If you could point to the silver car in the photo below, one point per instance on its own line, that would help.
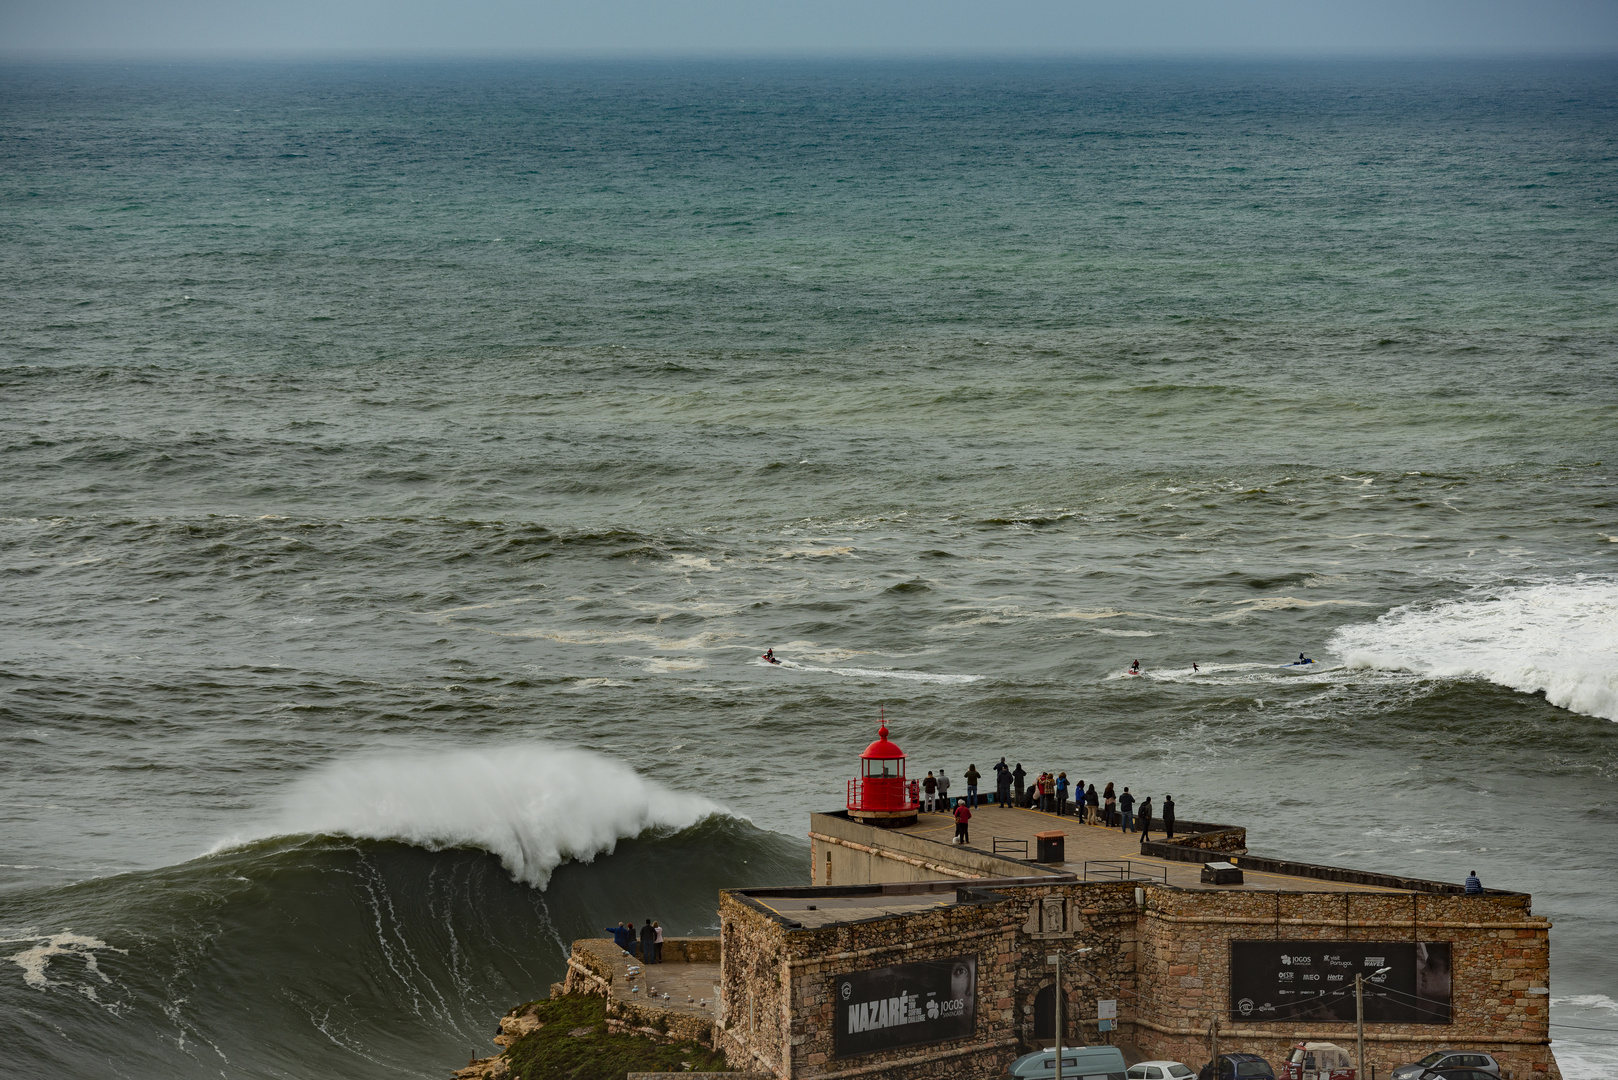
(1448, 1059)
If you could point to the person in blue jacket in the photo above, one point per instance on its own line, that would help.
(623, 937)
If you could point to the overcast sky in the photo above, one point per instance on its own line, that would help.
(1175, 27)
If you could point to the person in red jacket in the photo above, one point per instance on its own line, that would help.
(963, 814)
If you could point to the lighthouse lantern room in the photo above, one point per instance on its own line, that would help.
(881, 796)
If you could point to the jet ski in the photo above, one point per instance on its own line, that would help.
(770, 658)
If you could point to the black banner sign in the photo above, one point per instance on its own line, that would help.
(905, 1005)
(1314, 980)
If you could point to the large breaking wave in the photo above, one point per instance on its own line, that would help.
(533, 806)
(1558, 639)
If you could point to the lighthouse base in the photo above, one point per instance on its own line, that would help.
(884, 819)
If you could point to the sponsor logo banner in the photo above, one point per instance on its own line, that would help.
(905, 1005)
(1314, 980)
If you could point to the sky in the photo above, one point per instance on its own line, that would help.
(809, 27)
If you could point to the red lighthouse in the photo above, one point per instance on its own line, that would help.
(881, 796)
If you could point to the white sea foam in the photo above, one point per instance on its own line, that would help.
(36, 959)
(534, 806)
(1585, 1055)
(875, 673)
(1557, 639)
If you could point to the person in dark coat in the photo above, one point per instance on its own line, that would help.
(1017, 778)
(648, 943)
(1126, 806)
(1168, 817)
(1144, 819)
(1002, 783)
(1109, 807)
(1092, 799)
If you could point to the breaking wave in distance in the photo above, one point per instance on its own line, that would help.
(532, 806)
(1557, 639)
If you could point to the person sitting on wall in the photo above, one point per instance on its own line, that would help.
(963, 814)
(1473, 884)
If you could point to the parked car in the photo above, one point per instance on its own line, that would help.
(1318, 1061)
(1237, 1067)
(1078, 1063)
(1160, 1070)
(1448, 1059)
(1458, 1074)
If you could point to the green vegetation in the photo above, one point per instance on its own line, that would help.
(555, 1052)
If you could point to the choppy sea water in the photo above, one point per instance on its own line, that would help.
(404, 466)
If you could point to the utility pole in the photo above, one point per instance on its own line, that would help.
(1359, 1019)
(1056, 958)
(1213, 1038)
(1359, 1014)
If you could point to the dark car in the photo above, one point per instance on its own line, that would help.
(1458, 1074)
(1441, 1060)
(1238, 1067)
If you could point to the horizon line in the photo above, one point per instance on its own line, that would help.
(8, 55)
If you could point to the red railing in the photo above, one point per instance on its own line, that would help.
(887, 794)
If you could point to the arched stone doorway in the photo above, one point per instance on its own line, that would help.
(1045, 1013)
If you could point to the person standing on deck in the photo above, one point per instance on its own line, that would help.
(1144, 819)
(1078, 801)
(1168, 817)
(963, 814)
(1061, 795)
(657, 941)
(1002, 783)
(648, 944)
(1110, 799)
(972, 778)
(930, 786)
(1017, 778)
(943, 792)
(1126, 803)
(1091, 802)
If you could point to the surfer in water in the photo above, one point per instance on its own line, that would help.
(1194, 668)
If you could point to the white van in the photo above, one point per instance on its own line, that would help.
(1078, 1063)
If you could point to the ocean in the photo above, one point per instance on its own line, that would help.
(405, 464)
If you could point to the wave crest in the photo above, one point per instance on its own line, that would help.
(1556, 639)
(532, 806)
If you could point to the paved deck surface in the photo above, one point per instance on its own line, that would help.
(1095, 844)
(687, 985)
(826, 910)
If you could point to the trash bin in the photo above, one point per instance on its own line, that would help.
(1050, 846)
(1221, 873)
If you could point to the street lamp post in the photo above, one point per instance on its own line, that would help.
(1359, 1013)
(1056, 959)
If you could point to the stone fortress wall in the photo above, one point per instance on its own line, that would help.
(1162, 952)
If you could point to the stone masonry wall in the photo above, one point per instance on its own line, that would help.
(773, 973)
(1498, 952)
